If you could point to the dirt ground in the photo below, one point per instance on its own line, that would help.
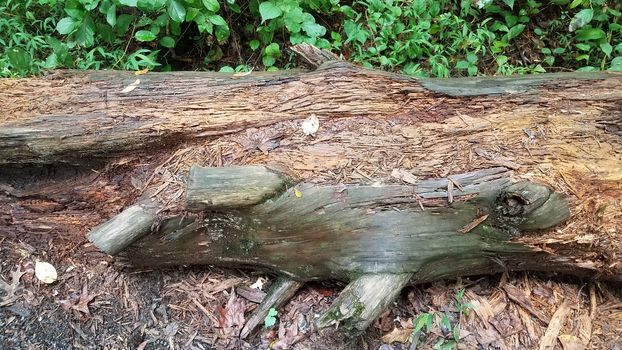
(98, 303)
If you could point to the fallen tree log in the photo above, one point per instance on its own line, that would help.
(406, 180)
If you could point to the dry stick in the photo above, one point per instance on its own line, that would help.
(557, 321)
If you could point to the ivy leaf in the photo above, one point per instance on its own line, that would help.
(211, 5)
(177, 11)
(167, 41)
(217, 20)
(268, 11)
(66, 25)
(144, 35)
(579, 20)
(131, 3)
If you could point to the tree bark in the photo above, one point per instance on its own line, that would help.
(424, 178)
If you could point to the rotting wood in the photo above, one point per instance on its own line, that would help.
(560, 130)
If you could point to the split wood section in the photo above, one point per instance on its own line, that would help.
(377, 237)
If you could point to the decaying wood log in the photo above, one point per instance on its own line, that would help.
(406, 180)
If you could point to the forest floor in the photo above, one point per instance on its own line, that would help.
(98, 303)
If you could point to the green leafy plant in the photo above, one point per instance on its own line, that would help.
(419, 37)
(270, 319)
(424, 322)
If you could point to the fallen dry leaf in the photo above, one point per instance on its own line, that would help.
(404, 175)
(131, 87)
(13, 287)
(142, 71)
(258, 284)
(79, 304)
(400, 335)
(45, 272)
(310, 125)
(231, 317)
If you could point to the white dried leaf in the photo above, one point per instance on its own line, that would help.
(131, 87)
(258, 285)
(45, 272)
(310, 125)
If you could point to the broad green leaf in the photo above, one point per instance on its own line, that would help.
(217, 20)
(75, 13)
(293, 20)
(268, 11)
(144, 35)
(471, 57)
(587, 34)
(313, 29)
(222, 33)
(501, 60)
(191, 14)
(167, 41)
(616, 64)
(66, 25)
(176, 10)
(19, 59)
(211, 5)
(151, 5)
(583, 47)
(462, 64)
(51, 62)
(123, 23)
(85, 35)
(111, 15)
(131, 3)
(254, 44)
(472, 70)
(268, 61)
(226, 69)
(510, 3)
(515, 31)
(606, 48)
(575, 3)
(579, 20)
(419, 322)
(272, 50)
(587, 69)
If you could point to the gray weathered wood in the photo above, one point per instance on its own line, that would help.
(231, 187)
(362, 301)
(116, 234)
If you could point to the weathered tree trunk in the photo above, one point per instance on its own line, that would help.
(405, 180)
